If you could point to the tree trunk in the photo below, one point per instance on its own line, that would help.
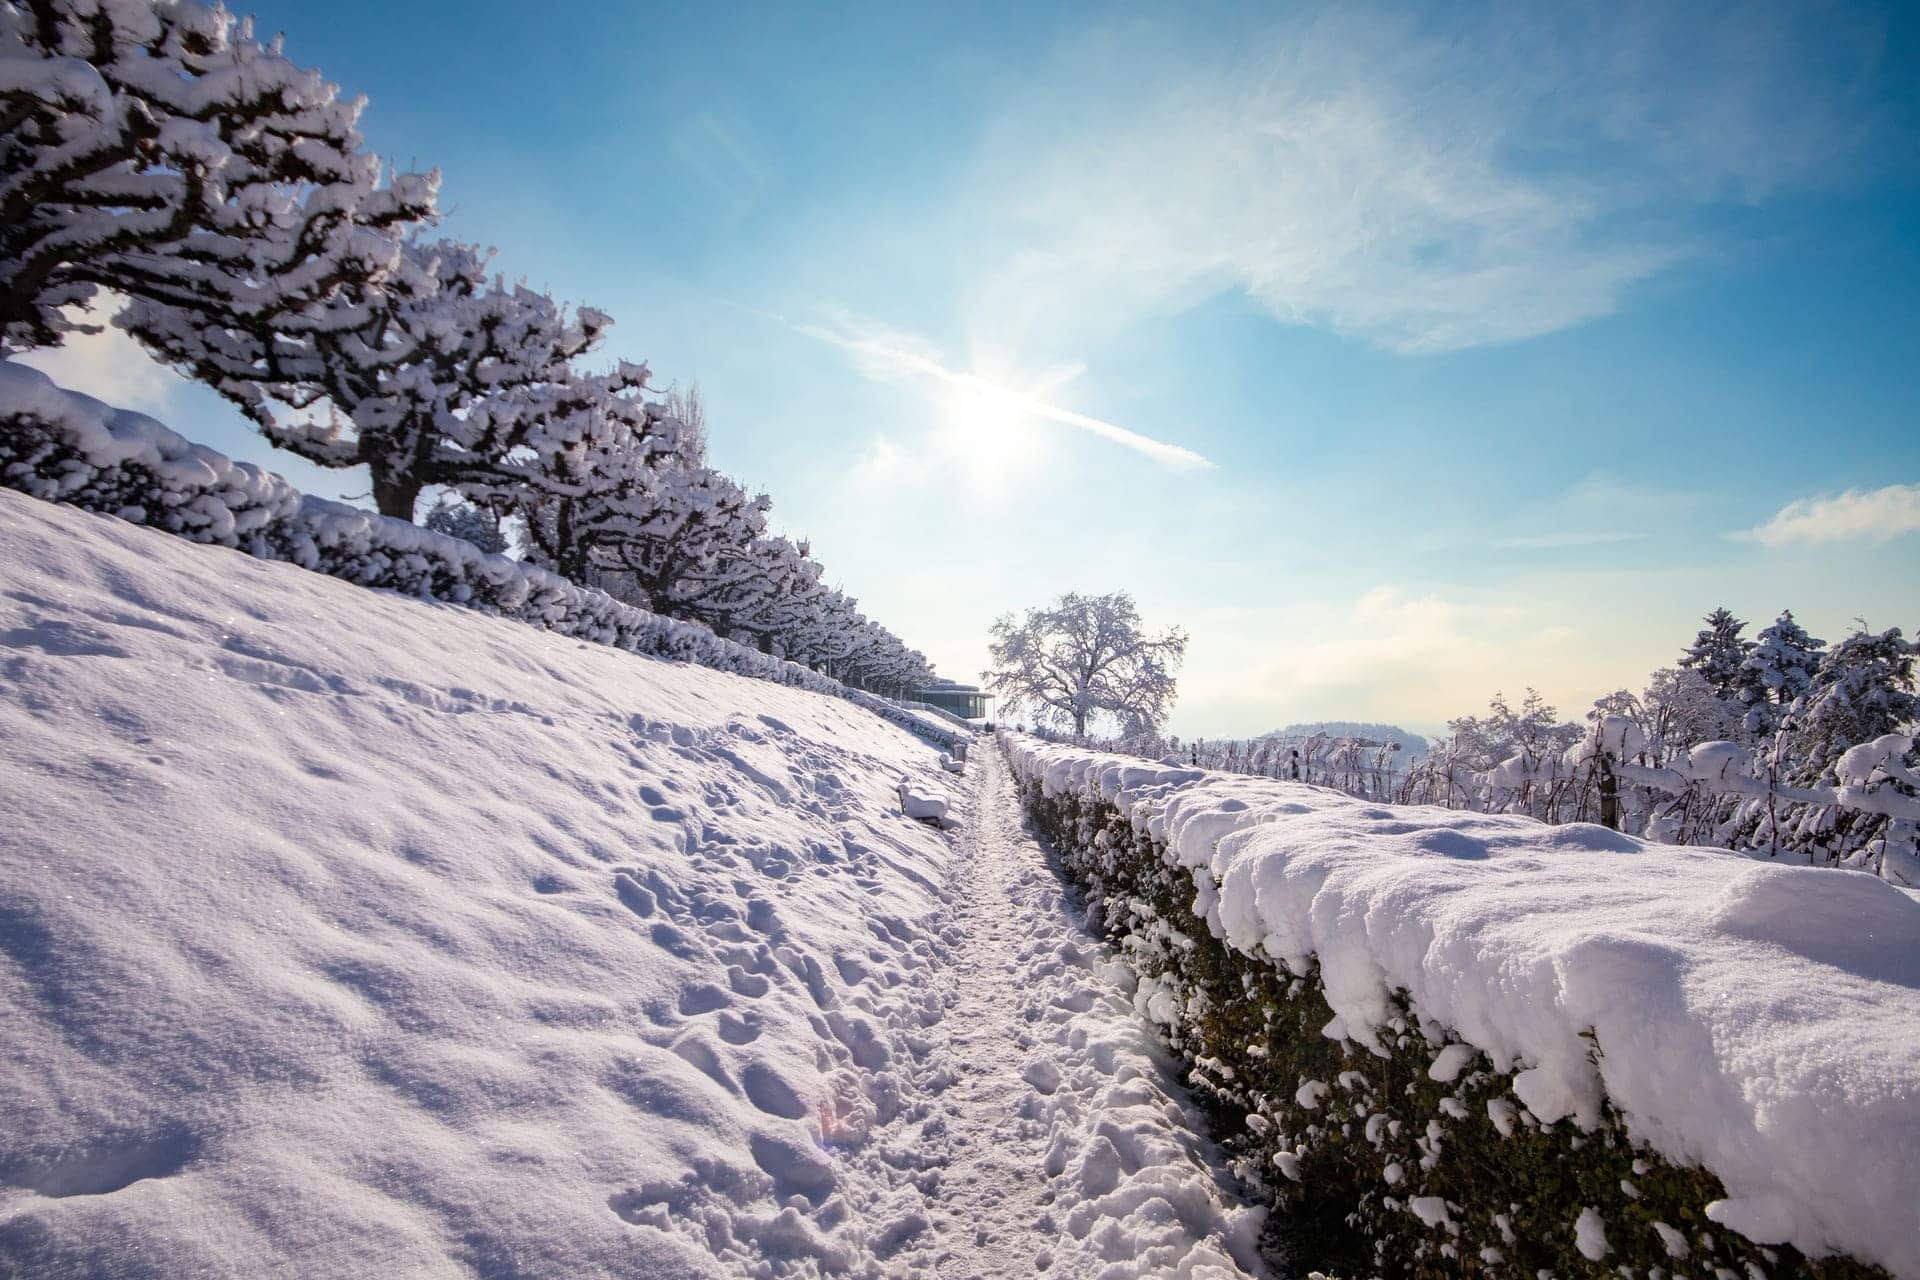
(1609, 794)
(396, 496)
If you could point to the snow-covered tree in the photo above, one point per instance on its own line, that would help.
(441, 375)
(660, 532)
(1084, 656)
(687, 407)
(157, 149)
(1863, 689)
(468, 523)
(1718, 654)
(1680, 710)
(1777, 669)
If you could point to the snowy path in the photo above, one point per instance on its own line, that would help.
(1073, 1151)
(342, 935)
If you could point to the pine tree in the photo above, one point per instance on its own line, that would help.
(1777, 669)
(1717, 653)
(468, 523)
(1864, 688)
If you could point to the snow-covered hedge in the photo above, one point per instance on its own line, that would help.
(1466, 1044)
(65, 447)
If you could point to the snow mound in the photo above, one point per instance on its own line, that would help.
(923, 804)
(1762, 1021)
(343, 934)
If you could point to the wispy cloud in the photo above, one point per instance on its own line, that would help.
(1425, 187)
(1568, 538)
(891, 356)
(1864, 515)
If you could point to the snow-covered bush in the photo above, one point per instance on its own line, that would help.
(1458, 1044)
(156, 148)
(70, 448)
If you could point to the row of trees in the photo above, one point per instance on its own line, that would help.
(1780, 743)
(1753, 725)
(1793, 702)
(158, 150)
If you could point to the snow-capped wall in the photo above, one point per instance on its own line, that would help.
(66, 447)
(1760, 1021)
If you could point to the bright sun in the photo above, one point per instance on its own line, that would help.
(988, 431)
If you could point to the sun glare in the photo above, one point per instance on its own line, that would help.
(988, 432)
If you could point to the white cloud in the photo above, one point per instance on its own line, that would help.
(1867, 515)
(1511, 176)
(108, 366)
(1566, 539)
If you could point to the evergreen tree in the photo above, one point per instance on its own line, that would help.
(1864, 688)
(1777, 669)
(468, 523)
(1717, 653)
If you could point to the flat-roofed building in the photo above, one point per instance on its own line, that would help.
(963, 700)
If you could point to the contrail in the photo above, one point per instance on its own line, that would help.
(893, 355)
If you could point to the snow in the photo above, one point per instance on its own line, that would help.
(1590, 1235)
(1760, 1020)
(67, 447)
(923, 804)
(347, 934)
(1086, 1159)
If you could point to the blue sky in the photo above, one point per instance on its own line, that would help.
(1512, 337)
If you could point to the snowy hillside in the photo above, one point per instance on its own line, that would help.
(343, 934)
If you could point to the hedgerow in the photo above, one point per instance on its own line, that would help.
(1416, 1162)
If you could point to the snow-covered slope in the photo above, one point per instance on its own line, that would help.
(343, 934)
(387, 937)
(1760, 1020)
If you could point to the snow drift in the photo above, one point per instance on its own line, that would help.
(1761, 1021)
(356, 935)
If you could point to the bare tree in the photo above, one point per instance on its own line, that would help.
(690, 411)
(1083, 656)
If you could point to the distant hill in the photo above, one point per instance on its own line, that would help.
(1412, 745)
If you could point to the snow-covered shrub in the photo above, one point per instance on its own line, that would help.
(64, 447)
(1472, 1045)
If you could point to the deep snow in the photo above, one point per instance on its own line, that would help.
(1760, 1020)
(343, 934)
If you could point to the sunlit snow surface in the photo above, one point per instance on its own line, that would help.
(344, 935)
